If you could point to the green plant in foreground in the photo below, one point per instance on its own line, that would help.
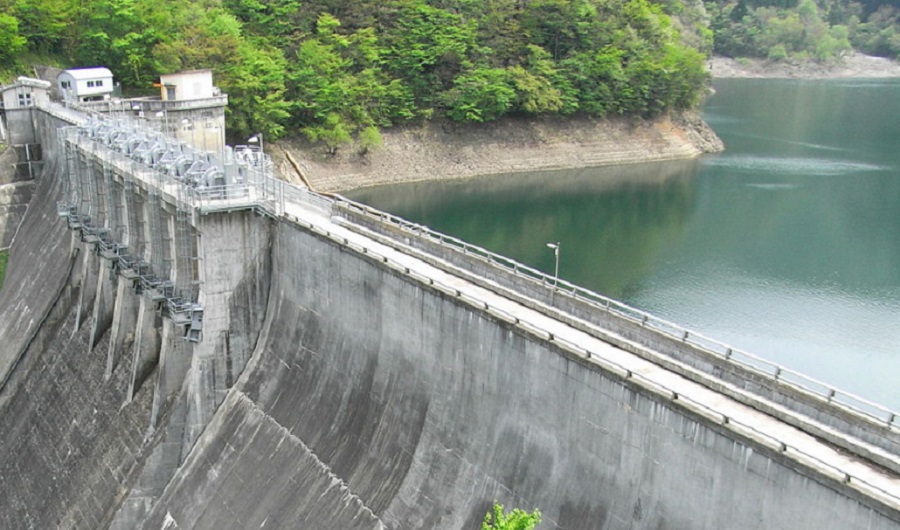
(518, 519)
(4, 256)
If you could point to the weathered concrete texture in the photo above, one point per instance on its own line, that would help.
(370, 392)
(67, 445)
(36, 276)
(234, 274)
(14, 199)
(221, 486)
(8, 160)
(15, 194)
(21, 126)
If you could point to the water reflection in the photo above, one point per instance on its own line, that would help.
(612, 222)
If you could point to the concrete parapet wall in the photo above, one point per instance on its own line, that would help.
(381, 396)
(793, 404)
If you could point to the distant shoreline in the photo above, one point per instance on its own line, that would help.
(854, 65)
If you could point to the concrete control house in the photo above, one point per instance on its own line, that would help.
(25, 92)
(85, 84)
(192, 84)
(16, 102)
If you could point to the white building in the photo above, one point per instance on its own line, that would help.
(25, 92)
(85, 84)
(192, 84)
(17, 100)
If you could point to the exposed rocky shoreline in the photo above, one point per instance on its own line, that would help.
(447, 150)
(853, 65)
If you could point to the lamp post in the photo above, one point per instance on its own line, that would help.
(257, 138)
(185, 121)
(555, 247)
(165, 116)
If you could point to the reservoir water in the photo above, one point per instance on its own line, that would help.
(787, 245)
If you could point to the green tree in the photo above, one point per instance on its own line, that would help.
(369, 139)
(334, 131)
(45, 24)
(540, 86)
(482, 95)
(273, 19)
(518, 519)
(428, 49)
(255, 83)
(11, 42)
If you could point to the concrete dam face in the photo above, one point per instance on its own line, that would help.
(352, 371)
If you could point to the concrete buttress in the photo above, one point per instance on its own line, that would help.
(88, 283)
(103, 303)
(145, 350)
(124, 327)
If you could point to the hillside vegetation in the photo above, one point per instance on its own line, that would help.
(335, 70)
(816, 29)
(332, 69)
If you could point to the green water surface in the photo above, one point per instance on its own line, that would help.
(787, 245)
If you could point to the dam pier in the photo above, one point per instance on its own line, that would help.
(189, 342)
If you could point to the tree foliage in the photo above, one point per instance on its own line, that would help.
(818, 29)
(333, 70)
(497, 519)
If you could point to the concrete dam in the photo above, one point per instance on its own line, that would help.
(187, 342)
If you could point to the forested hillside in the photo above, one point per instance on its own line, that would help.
(333, 70)
(329, 69)
(816, 29)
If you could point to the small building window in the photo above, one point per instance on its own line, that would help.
(66, 85)
(98, 82)
(90, 84)
(25, 100)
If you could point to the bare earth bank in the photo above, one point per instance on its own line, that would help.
(446, 150)
(854, 65)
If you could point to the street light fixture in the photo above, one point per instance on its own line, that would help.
(186, 121)
(257, 138)
(165, 116)
(555, 247)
